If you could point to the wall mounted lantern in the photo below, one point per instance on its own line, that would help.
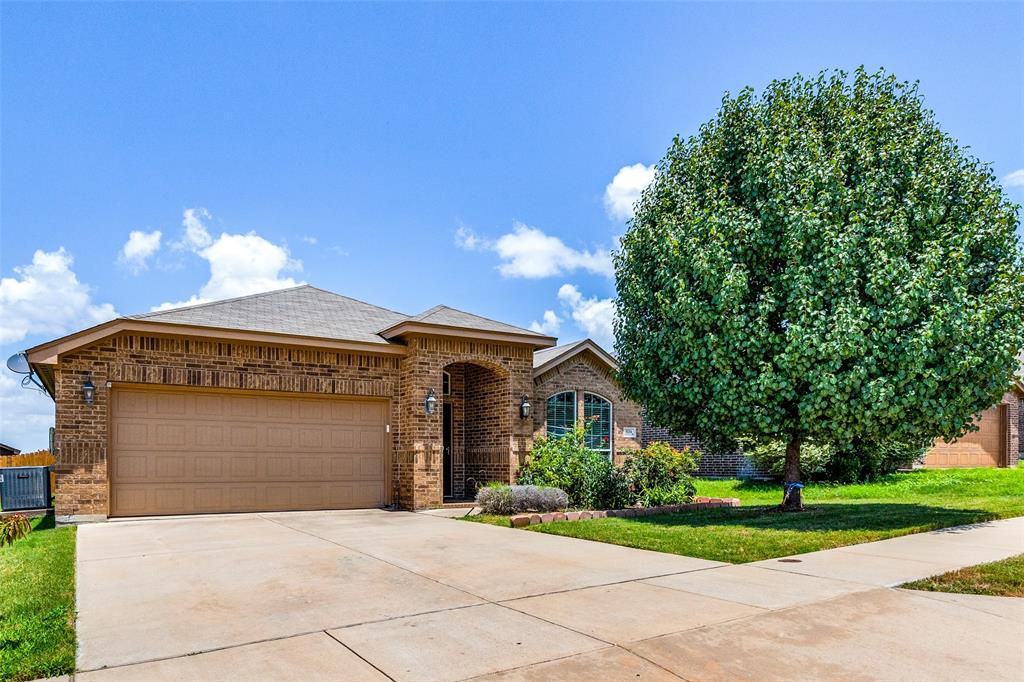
(88, 390)
(430, 402)
(524, 407)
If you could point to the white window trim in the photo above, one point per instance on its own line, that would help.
(610, 452)
(575, 409)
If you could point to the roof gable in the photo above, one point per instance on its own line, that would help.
(450, 317)
(549, 358)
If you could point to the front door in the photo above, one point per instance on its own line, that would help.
(447, 444)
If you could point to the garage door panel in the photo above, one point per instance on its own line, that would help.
(203, 452)
(982, 448)
(209, 405)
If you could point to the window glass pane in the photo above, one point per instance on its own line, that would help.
(561, 416)
(598, 414)
(446, 383)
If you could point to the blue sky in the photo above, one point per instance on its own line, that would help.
(407, 155)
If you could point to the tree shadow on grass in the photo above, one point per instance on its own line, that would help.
(816, 518)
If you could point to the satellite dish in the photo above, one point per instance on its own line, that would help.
(18, 363)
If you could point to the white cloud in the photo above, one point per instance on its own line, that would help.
(240, 264)
(196, 235)
(550, 324)
(625, 189)
(25, 414)
(138, 249)
(1014, 179)
(47, 298)
(595, 316)
(310, 240)
(466, 239)
(531, 254)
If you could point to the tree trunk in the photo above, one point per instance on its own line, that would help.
(792, 499)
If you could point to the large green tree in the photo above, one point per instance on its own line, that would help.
(820, 263)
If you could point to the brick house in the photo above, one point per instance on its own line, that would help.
(304, 399)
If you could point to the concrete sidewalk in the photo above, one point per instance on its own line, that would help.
(377, 595)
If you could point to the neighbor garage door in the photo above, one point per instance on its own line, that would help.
(188, 452)
(982, 448)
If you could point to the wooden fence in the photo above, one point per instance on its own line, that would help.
(41, 458)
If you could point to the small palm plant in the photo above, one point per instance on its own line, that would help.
(13, 527)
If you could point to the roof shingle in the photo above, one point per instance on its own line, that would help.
(450, 317)
(308, 311)
(300, 311)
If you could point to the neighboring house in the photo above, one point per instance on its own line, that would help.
(8, 450)
(999, 440)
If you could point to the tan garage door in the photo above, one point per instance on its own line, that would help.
(189, 452)
(982, 448)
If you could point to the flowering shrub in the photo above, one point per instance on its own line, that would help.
(589, 479)
(515, 499)
(660, 474)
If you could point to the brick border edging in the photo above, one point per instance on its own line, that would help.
(523, 520)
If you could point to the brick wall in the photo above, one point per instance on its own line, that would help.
(82, 430)
(712, 464)
(585, 373)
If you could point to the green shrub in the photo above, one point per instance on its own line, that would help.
(660, 467)
(863, 461)
(679, 493)
(589, 479)
(770, 457)
(13, 527)
(857, 462)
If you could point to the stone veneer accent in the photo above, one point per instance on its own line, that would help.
(1014, 401)
(585, 373)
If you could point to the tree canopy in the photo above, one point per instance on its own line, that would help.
(820, 262)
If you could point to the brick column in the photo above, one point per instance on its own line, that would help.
(81, 442)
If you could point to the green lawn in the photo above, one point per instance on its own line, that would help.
(37, 603)
(836, 515)
(998, 579)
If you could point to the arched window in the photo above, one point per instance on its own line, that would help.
(561, 414)
(598, 414)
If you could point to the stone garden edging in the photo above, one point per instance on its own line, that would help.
(523, 520)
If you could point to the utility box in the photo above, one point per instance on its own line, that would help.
(24, 488)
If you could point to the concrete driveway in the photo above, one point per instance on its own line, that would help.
(371, 595)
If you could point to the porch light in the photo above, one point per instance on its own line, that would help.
(524, 407)
(88, 390)
(430, 401)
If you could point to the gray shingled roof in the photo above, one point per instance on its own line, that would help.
(545, 355)
(308, 311)
(301, 311)
(450, 317)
